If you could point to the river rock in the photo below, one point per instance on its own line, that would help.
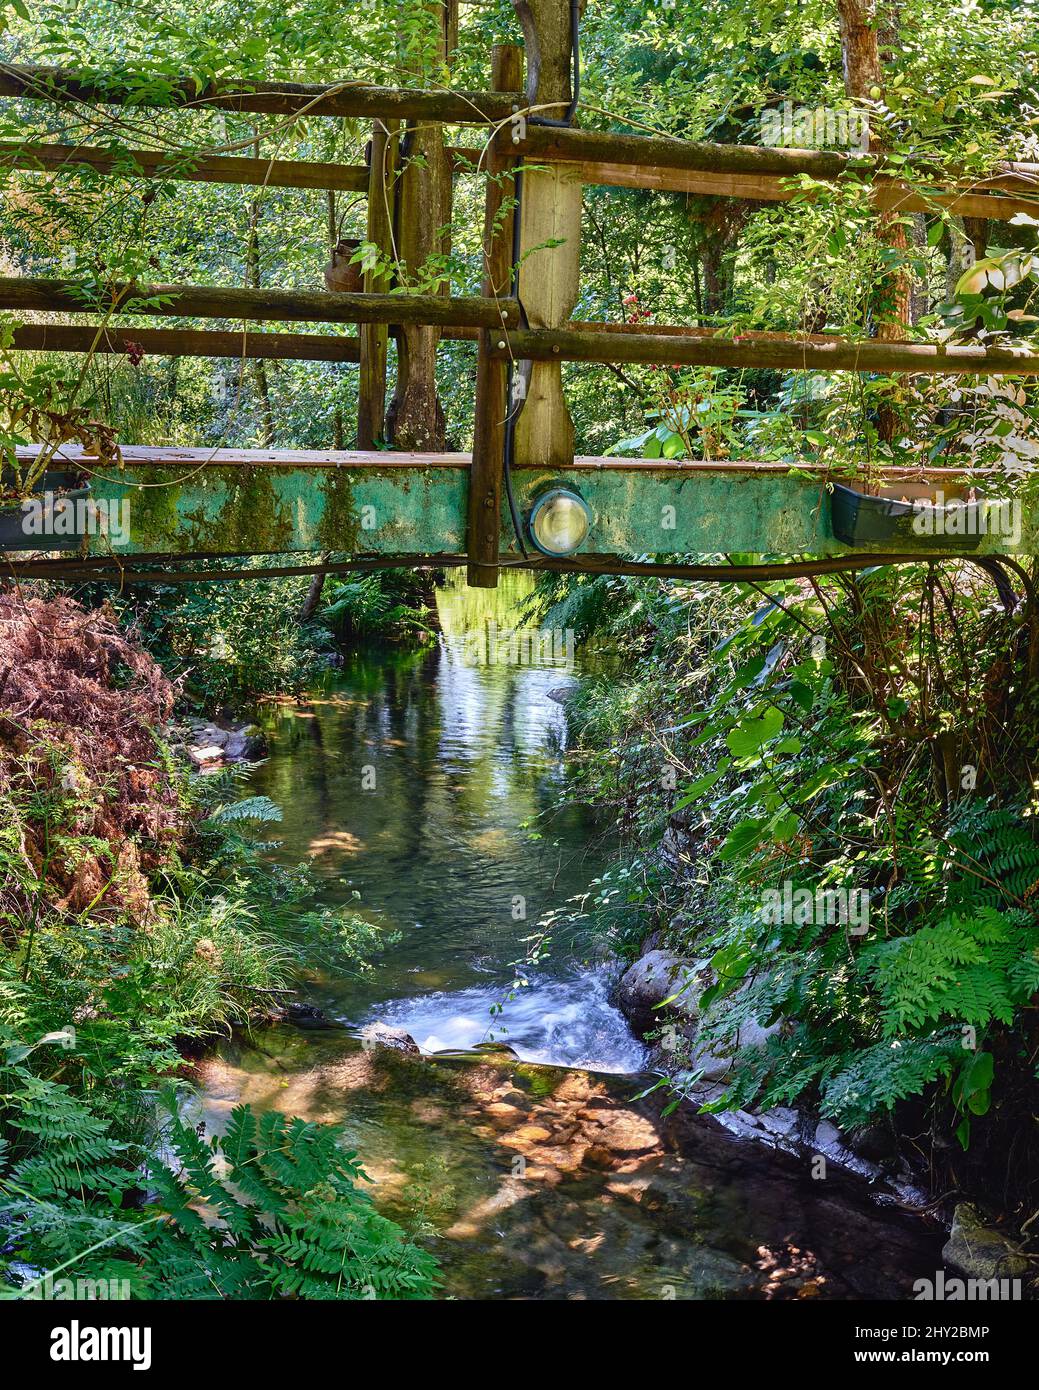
(715, 1062)
(977, 1251)
(245, 744)
(303, 1015)
(206, 756)
(653, 978)
(382, 1035)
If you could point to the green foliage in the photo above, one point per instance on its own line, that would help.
(271, 1209)
(228, 643)
(807, 739)
(252, 808)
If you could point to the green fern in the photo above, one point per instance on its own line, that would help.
(272, 1209)
(257, 808)
(975, 970)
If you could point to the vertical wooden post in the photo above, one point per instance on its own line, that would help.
(549, 279)
(416, 419)
(485, 476)
(374, 337)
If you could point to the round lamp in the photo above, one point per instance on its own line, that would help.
(559, 521)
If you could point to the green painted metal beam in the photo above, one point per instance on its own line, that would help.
(233, 502)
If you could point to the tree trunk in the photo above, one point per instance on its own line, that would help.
(252, 268)
(863, 81)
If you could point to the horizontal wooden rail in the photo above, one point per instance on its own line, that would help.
(186, 342)
(40, 83)
(303, 306)
(316, 347)
(776, 352)
(184, 165)
(664, 344)
(658, 152)
(985, 199)
(177, 457)
(890, 194)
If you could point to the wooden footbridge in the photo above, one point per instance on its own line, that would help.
(416, 504)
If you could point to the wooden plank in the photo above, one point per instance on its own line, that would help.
(415, 419)
(777, 352)
(34, 82)
(579, 342)
(184, 165)
(658, 152)
(485, 483)
(303, 306)
(232, 502)
(177, 456)
(185, 342)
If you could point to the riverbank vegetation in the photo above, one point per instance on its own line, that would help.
(827, 795)
(138, 924)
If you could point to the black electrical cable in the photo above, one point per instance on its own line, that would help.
(575, 51)
(516, 403)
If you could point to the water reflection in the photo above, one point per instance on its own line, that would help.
(428, 784)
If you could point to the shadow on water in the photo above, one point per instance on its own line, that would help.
(425, 782)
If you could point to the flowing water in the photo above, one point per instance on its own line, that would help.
(425, 789)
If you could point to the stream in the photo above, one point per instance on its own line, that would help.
(423, 787)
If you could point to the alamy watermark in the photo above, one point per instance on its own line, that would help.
(48, 1289)
(814, 128)
(1001, 517)
(943, 1290)
(49, 514)
(790, 906)
(521, 646)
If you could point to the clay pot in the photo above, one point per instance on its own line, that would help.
(340, 276)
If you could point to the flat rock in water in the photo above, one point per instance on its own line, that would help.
(382, 1035)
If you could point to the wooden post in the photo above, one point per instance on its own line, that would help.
(371, 401)
(549, 279)
(485, 477)
(416, 418)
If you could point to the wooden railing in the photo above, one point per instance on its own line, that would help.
(522, 314)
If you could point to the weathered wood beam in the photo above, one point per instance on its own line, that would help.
(185, 342)
(550, 242)
(234, 502)
(415, 419)
(659, 153)
(382, 195)
(989, 198)
(184, 165)
(773, 188)
(986, 199)
(579, 342)
(41, 83)
(485, 487)
(303, 306)
(775, 351)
